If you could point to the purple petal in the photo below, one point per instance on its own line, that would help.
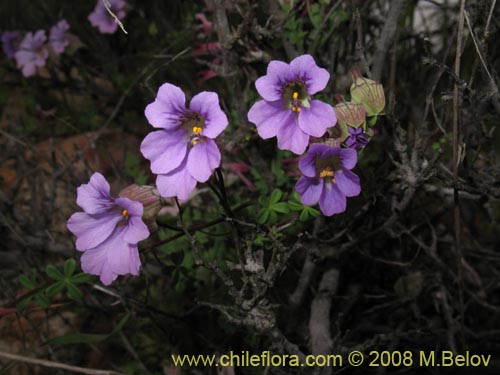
(165, 149)
(307, 165)
(315, 78)
(332, 200)
(168, 107)
(348, 182)
(291, 137)
(29, 69)
(134, 208)
(270, 85)
(207, 104)
(177, 183)
(317, 118)
(269, 117)
(123, 258)
(309, 189)
(92, 230)
(203, 158)
(135, 231)
(349, 158)
(94, 197)
(94, 262)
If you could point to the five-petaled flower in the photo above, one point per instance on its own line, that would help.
(58, 39)
(327, 178)
(107, 231)
(287, 111)
(103, 20)
(32, 52)
(183, 151)
(10, 43)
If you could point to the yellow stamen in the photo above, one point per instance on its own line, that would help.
(298, 109)
(327, 172)
(197, 130)
(295, 95)
(294, 109)
(195, 141)
(125, 214)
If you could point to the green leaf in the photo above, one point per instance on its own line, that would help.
(26, 282)
(69, 267)
(372, 120)
(273, 217)
(87, 338)
(313, 212)
(54, 273)
(81, 278)
(294, 206)
(304, 215)
(281, 208)
(42, 300)
(55, 289)
(74, 292)
(275, 196)
(263, 216)
(22, 303)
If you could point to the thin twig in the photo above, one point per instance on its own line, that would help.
(107, 5)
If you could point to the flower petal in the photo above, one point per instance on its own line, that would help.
(317, 118)
(291, 137)
(168, 107)
(135, 229)
(123, 258)
(269, 117)
(92, 230)
(307, 165)
(94, 262)
(314, 77)
(309, 189)
(332, 200)
(349, 158)
(165, 149)
(207, 104)
(348, 182)
(177, 183)
(270, 86)
(202, 159)
(94, 197)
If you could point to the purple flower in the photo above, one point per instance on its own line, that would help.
(183, 151)
(357, 138)
(10, 43)
(32, 52)
(107, 231)
(327, 178)
(287, 111)
(58, 39)
(101, 18)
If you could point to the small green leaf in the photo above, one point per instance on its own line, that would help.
(55, 289)
(273, 217)
(304, 215)
(42, 300)
(54, 273)
(74, 292)
(263, 216)
(275, 196)
(81, 278)
(22, 303)
(294, 206)
(69, 267)
(372, 120)
(281, 208)
(313, 212)
(26, 282)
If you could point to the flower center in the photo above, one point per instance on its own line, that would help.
(328, 172)
(124, 220)
(295, 97)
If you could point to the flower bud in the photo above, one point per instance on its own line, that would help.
(350, 114)
(150, 199)
(367, 92)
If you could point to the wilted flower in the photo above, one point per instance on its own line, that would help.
(327, 178)
(367, 92)
(184, 151)
(58, 39)
(101, 18)
(10, 43)
(107, 231)
(287, 111)
(357, 138)
(32, 52)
